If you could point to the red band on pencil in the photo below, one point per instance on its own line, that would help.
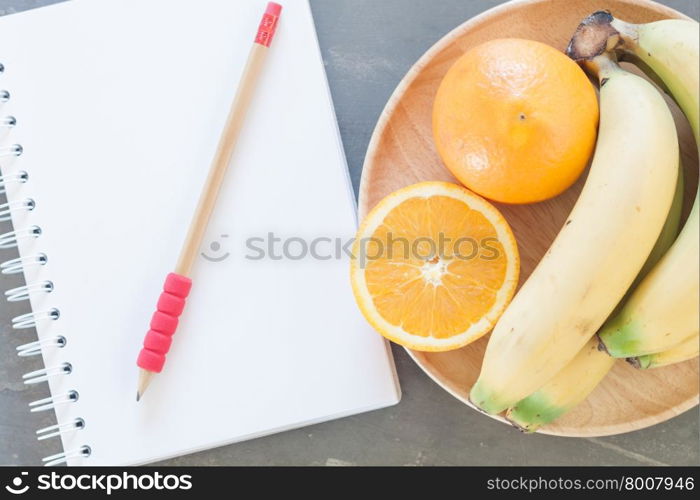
(164, 323)
(268, 25)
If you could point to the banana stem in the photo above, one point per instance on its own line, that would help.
(628, 32)
(593, 44)
(603, 67)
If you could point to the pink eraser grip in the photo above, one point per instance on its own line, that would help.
(164, 323)
(268, 24)
(177, 285)
(157, 342)
(171, 304)
(151, 361)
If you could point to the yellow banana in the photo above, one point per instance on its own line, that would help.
(688, 349)
(599, 251)
(663, 310)
(668, 235)
(572, 385)
(577, 380)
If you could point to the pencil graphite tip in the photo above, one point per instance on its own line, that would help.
(144, 380)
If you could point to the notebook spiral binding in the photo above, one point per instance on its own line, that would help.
(31, 320)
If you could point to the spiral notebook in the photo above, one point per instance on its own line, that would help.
(112, 112)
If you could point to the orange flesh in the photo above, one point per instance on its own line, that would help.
(435, 295)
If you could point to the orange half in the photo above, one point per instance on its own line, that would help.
(434, 266)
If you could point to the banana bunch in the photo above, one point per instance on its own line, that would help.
(576, 381)
(540, 364)
(663, 311)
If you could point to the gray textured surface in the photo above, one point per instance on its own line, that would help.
(367, 46)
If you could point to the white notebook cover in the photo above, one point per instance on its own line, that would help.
(119, 107)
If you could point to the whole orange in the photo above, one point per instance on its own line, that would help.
(515, 120)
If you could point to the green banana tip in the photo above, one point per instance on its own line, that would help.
(635, 362)
(482, 400)
(476, 406)
(601, 344)
(640, 362)
(619, 338)
(521, 426)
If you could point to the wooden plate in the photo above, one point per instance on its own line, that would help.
(401, 152)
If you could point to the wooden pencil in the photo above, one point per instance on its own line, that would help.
(178, 283)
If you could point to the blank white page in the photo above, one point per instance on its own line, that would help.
(119, 107)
